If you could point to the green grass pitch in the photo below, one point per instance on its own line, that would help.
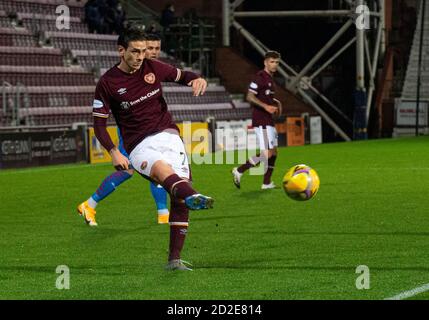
(371, 209)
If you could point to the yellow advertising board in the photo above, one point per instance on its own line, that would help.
(195, 136)
(97, 154)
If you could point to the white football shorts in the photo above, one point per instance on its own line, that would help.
(267, 137)
(161, 146)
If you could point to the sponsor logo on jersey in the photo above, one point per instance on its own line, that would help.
(125, 105)
(122, 91)
(143, 98)
(97, 104)
(253, 85)
(149, 78)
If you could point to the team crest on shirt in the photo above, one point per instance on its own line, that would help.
(125, 105)
(149, 78)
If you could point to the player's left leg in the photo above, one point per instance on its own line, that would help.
(179, 222)
(271, 156)
(162, 157)
(160, 196)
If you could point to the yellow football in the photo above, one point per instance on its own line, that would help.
(301, 182)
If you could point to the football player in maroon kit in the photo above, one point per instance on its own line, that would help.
(132, 92)
(117, 178)
(261, 95)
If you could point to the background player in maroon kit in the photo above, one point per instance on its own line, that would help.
(132, 92)
(261, 96)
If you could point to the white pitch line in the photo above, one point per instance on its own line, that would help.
(410, 293)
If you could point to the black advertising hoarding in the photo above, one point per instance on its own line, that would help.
(32, 149)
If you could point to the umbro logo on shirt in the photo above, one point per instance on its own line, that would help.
(122, 91)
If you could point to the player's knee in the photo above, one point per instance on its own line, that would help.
(160, 171)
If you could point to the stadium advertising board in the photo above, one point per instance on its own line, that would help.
(295, 131)
(235, 135)
(316, 130)
(195, 136)
(405, 115)
(97, 153)
(31, 149)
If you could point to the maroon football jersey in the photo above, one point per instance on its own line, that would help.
(136, 100)
(262, 86)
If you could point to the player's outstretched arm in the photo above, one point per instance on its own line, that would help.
(199, 86)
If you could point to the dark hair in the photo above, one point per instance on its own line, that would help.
(272, 54)
(133, 33)
(153, 37)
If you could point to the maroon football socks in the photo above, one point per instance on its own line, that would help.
(269, 171)
(179, 217)
(178, 187)
(250, 163)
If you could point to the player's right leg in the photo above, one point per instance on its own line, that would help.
(179, 186)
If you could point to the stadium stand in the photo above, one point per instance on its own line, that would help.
(49, 75)
(42, 6)
(29, 56)
(4, 19)
(409, 89)
(17, 37)
(43, 22)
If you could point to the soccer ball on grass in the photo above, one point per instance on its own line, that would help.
(301, 182)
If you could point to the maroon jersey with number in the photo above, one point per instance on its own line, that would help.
(136, 101)
(262, 86)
